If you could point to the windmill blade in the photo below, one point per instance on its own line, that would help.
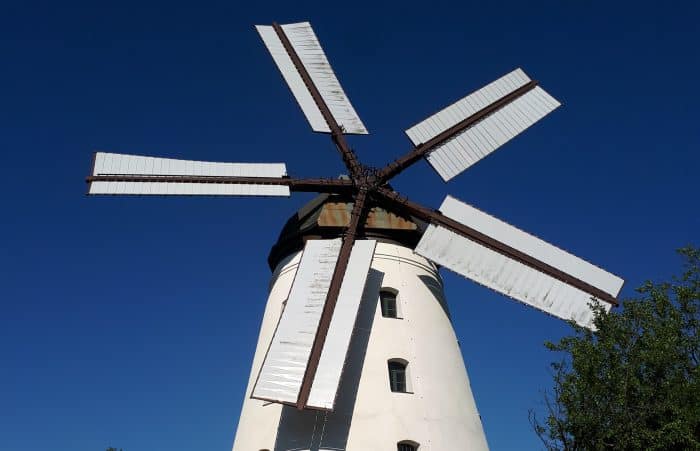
(335, 349)
(477, 259)
(285, 364)
(310, 77)
(470, 129)
(287, 360)
(121, 174)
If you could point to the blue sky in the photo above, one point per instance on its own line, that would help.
(132, 322)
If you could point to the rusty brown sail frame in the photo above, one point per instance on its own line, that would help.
(368, 187)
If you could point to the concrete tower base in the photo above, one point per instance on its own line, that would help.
(437, 414)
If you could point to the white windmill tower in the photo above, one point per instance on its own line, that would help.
(356, 349)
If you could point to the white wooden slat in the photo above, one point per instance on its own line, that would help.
(123, 164)
(284, 366)
(510, 277)
(457, 154)
(312, 56)
(192, 189)
(327, 379)
(120, 164)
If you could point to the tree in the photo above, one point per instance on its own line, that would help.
(113, 449)
(633, 383)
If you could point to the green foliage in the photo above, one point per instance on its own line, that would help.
(113, 449)
(633, 384)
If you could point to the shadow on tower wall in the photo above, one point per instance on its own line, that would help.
(315, 430)
(436, 290)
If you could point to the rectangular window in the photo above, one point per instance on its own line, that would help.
(397, 377)
(388, 303)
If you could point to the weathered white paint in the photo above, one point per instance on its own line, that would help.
(510, 277)
(308, 48)
(440, 414)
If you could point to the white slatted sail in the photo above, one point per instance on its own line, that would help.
(327, 379)
(307, 46)
(120, 164)
(510, 277)
(285, 363)
(463, 150)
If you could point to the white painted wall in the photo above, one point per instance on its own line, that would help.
(440, 414)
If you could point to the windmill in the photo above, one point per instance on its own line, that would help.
(304, 346)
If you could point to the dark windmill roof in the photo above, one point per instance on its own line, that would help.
(327, 215)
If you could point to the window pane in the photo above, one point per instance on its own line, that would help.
(406, 447)
(397, 377)
(388, 302)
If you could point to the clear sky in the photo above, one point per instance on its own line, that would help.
(132, 322)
